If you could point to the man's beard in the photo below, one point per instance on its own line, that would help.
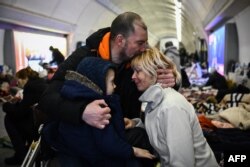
(123, 55)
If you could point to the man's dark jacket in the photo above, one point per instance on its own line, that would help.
(71, 110)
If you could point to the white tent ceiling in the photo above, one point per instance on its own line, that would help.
(78, 18)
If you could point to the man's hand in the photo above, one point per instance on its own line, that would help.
(165, 77)
(142, 153)
(129, 123)
(97, 114)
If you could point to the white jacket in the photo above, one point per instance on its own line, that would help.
(174, 130)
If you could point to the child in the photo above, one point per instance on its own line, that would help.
(170, 120)
(94, 79)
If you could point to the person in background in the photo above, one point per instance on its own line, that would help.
(126, 38)
(10, 94)
(172, 52)
(4, 89)
(248, 71)
(44, 72)
(18, 120)
(47, 72)
(51, 72)
(170, 120)
(94, 79)
(219, 82)
(57, 56)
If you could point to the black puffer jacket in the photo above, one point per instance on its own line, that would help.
(71, 110)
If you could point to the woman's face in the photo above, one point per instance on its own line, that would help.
(142, 79)
(21, 82)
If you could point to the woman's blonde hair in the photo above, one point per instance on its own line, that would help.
(151, 60)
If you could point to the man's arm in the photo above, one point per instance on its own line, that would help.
(73, 111)
(167, 79)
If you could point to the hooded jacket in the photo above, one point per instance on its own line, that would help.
(102, 147)
(67, 110)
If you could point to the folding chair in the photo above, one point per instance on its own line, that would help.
(35, 155)
(34, 149)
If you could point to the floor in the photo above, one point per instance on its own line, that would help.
(5, 152)
(5, 146)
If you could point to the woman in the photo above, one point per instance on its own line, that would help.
(170, 120)
(19, 121)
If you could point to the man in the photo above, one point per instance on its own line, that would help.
(126, 38)
(57, 56)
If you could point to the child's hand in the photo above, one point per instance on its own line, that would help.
(129, 123)
(142, 153)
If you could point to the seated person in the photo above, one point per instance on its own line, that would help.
(217, 81)
(18, 120)
(170, 120)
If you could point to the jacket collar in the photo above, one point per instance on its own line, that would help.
(153, 96)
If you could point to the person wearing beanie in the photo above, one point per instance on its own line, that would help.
(93, 80)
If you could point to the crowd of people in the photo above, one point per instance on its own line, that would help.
(19, 94)
(19, 120)
(113, 102)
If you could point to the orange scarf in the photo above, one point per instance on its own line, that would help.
(104, 47)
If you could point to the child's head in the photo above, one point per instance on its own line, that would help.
(145, 66)
(110, 81)
(100, 72)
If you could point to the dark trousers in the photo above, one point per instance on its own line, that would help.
(136, 137)
(66, 160)
(20, 132)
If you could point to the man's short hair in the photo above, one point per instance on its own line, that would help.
(124, 24)
(169, 43)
